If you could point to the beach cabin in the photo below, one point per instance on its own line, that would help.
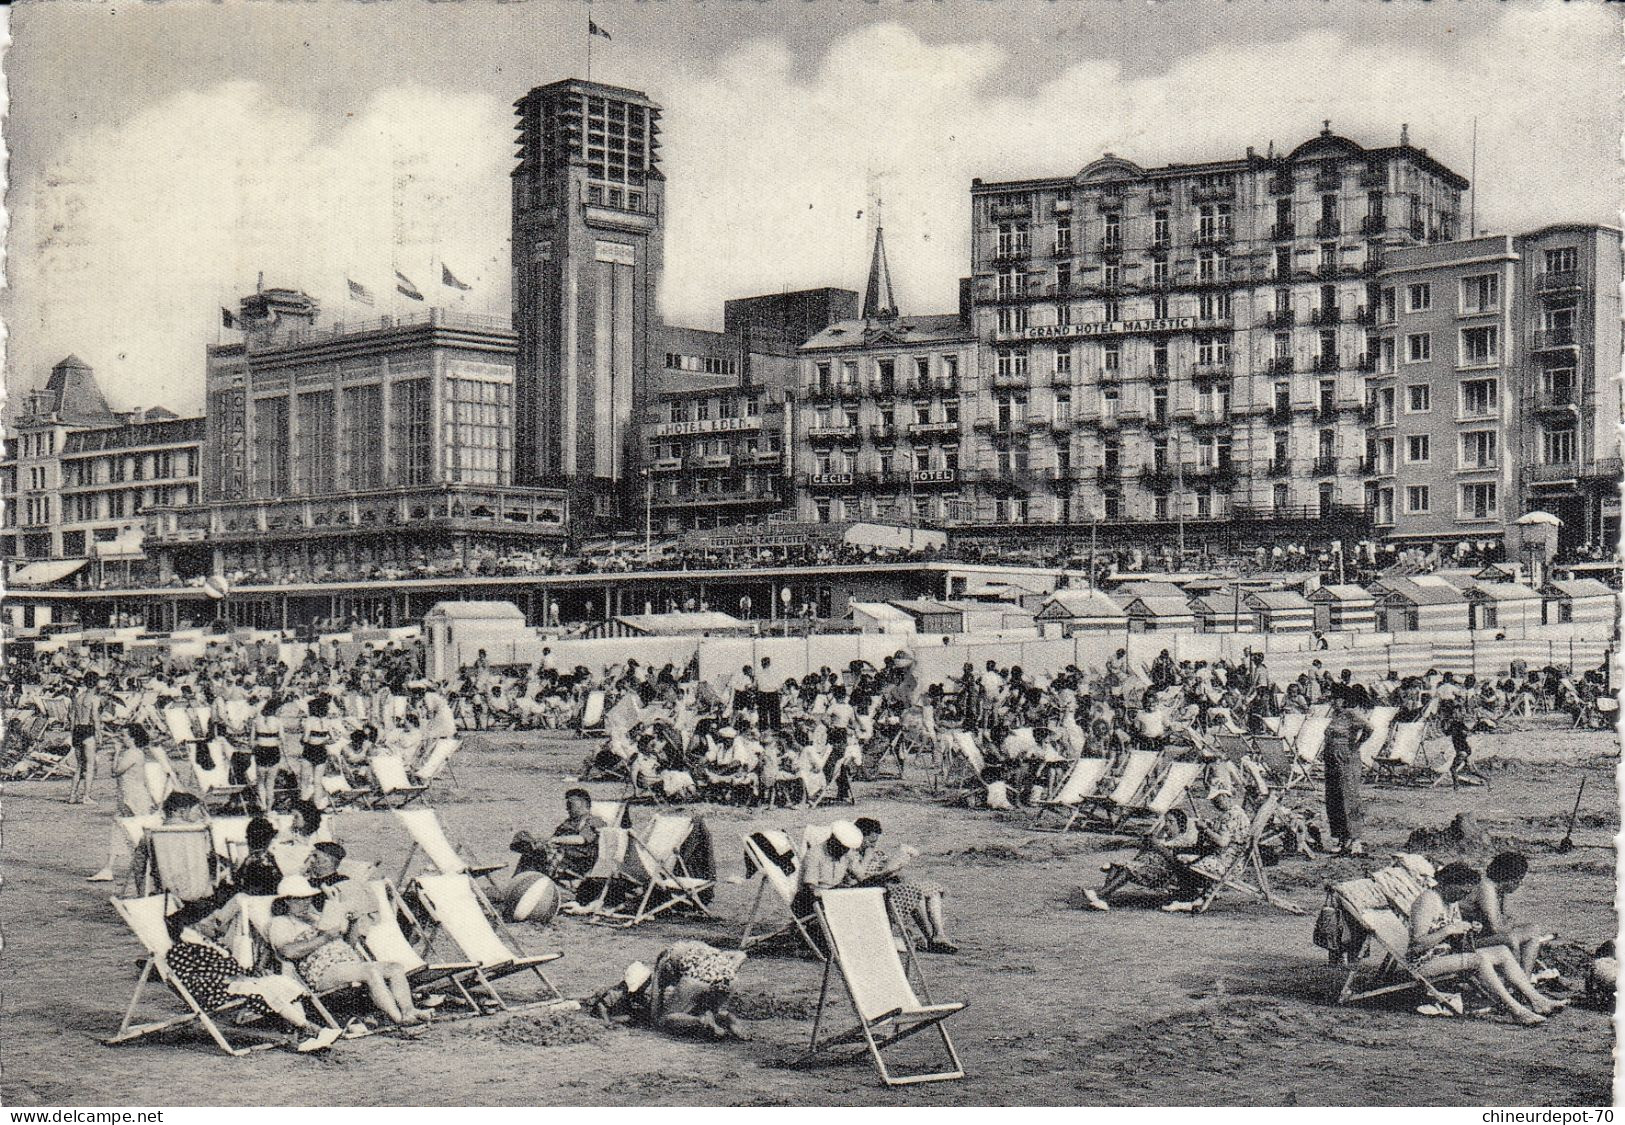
(456, 631)
(1070, 612)
(880, 617)
(1509, 607)
(931, 616)
(1222, 611)
(1281, 611)
(1580, 601)
(1159, 615)
(1343, 608)
(1411, 605)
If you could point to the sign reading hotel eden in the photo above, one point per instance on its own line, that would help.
(1101, 328)
(707, 426)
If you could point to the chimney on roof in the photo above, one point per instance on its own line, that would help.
(1404, 135)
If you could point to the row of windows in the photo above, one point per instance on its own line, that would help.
(664, 448)
(710, 365)
(162, 465)
(887, 370)
(1478, 500)
(42, 444)
(947, 414)
(705, 409)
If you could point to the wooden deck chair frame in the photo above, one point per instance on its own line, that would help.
(256, 915)
(1250, 860)
(1382, 723)
(447, 920)
(386, 941)
(1402, 761)
(215, 784)
(437, 763)
(1306, 747)
(651, 871)
(1394, 968)
(785, 885)
(145, 918)
(1120, 791)
(1078, 787)
(393, 788)
(1159, 795)
(869, 966)
(429, 840)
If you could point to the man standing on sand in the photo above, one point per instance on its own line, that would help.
(87, 738)
(769, 684)
(1341, 754)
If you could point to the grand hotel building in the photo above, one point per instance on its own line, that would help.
(1187, 342)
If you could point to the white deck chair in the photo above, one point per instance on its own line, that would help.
(1290, 725)
(465, 915)
(1311, 738)
(858, 929)
(394, 786)
(178, 861)
(437, 761)
(612, 813)
(1124, 788)
(655, 866)
(1380, 720)
(214, 780)
(1398, 760)
(592, 712)
(429, 839)
(1175, 784)
(386, 941)
(1080, 784)
(146, 919)
(772, 878)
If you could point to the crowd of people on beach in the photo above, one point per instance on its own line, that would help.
(290, 741)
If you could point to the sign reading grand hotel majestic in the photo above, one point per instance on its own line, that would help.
(1101, 328)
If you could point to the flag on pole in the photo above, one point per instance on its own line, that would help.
(359, 292)
(450, 279)
(228, 319)
(404, 286)
(594, 29)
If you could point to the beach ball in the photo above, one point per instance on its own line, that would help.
(532, 897)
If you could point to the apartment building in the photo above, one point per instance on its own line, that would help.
(1496, 392)
(880, 432)
(1187, 342)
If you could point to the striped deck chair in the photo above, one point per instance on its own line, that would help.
(1079, 786)
(385, 940)
(774, 862)
(1402, 761)
(459, 910)
(1157, 797)
(429, 840)
(146, 919)
(660, 881)
(1370, 933)
(857, 927)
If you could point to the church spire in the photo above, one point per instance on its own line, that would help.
(878, 301)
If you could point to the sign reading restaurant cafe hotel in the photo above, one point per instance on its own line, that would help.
(1101, 328)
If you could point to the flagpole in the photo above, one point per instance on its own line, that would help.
(589, 43)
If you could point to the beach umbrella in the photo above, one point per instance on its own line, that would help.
(1529, 519)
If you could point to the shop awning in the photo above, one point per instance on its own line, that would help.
(45, 573)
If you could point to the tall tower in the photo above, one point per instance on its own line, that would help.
(588, 247)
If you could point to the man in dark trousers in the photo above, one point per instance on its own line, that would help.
(1341, 754)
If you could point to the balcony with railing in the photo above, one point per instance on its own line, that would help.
(1328, 228)
(1326, 361)
(1002, 211)
(933, 429)
(1161, 196)
(1374, 224)
(1213, 370)
(1326, 315)
(1280, 318)
(1221, 189)
(1559, 281)
(1107, 476)
(1216, 235)
(1373, 176)
(712, 461)
(1280, 365)
(1325, 466)
(1282, 183)
(667, 465)
(1282, 231)
(1329, 179)
(1558, 400)
(1279, 413)
(883, 432)
(1364, 314)
(831, 433)
(1279, 467)
(1546, 339)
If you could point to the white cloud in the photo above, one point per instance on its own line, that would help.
(124, 250)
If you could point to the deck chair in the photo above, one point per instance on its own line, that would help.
(386, 941)
(1291, 724)
(1398, 761)
(429, 839)
(857, 927)
(661, 881)
(1307, 746)
(1245, 871)
(393, 786)
(1079, 785)
(963, 745)
(438, 761)
(459, 909)
(214, 784)
(146, 919)
(1125, 787)
(592, 713)
(1365, 927)
(771, 876)
(1380, 721)
(179, 861)
(1152, 806)
(616, 814)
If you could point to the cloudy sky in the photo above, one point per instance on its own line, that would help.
(199, 145)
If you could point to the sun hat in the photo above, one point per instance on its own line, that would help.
(637, 975)
(847, 833)
(295, 886)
